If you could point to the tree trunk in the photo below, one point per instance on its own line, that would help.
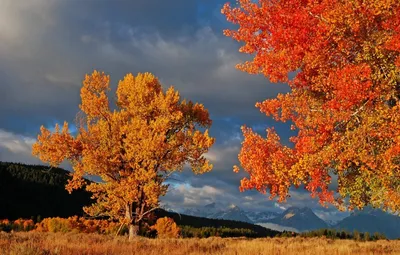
(133, 228)
(133, 231)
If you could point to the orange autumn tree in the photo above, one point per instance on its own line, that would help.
(134, 148)
(166, 228)
(344, 57)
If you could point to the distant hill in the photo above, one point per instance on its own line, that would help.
(31, 190)
(232, 212)
(200, 222)
(277, 227)
(302, 219)
(372, 220)
(261, 217)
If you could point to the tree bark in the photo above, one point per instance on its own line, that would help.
(133, 231)
(132, 226)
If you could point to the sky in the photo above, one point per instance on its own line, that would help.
(47, 46)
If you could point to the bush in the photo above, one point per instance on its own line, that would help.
(204, 232)
(166, 228)
(76, 224)
(341, 234)
(17, 225)
(54, 225)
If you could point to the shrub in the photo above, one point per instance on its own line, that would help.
(166, 228)
(17, 225)
(54, 225)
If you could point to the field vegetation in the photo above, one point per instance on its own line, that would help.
(33, 243)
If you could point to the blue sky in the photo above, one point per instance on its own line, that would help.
(48, 45)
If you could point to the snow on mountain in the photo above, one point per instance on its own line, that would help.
(302, 219)
(261, 217)
(331, 223)
(206, 211)
(232, 213)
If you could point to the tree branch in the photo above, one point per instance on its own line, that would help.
(145, 213)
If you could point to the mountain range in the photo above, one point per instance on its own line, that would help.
(28, 191)
(304, 219)
(233, 212)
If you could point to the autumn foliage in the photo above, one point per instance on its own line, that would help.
(344, 57)
(76, 224)
(134, 148)
(64, 225)
(17, 225)
(166, 228)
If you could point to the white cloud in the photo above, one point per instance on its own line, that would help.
(16, 148)
(331, 216)
(280, 206)
(249, 198)
(222, 156)
(184, 195)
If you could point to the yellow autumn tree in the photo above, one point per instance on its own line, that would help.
(166, 228)
(134, 148)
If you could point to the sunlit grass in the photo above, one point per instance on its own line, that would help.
(33, 243)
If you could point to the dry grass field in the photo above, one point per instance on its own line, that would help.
(32, 243)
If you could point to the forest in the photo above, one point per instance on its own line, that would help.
(28, 191)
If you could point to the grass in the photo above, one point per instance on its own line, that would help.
(35, 243)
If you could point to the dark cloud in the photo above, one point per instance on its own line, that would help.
(48, 45)
(52, 48)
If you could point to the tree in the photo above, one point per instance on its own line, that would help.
(134, 148)
(166, 228)
(356, 235)
(367, 236)
(343, 102)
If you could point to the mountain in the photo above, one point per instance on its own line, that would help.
(372, 220)
(304, 219)
(301, 219)
(261, 217)
(201, 222)
(277, 227)
(233, 213)
(331, 223)
(206, 211)
(31, 190)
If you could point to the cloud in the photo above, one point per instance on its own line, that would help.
(24, 20)
(277, 205)
(185, 196)
(48, 46)
(16, 148)
(49, 66)
(331, 215)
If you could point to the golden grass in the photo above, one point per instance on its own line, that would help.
(32, 243)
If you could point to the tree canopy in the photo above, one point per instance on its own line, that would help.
(343, 102)
(134, 148)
